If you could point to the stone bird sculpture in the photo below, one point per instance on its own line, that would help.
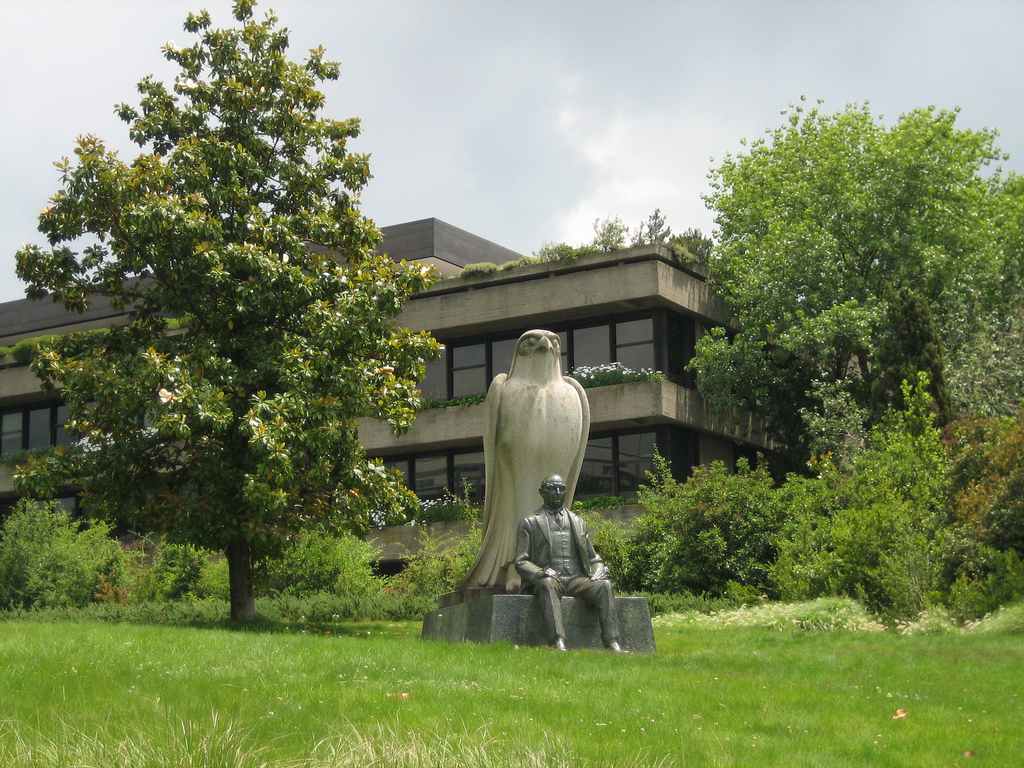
(536, 425)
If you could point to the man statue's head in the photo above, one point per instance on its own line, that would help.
(552, 490)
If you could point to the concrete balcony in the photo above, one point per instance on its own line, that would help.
(622, 406)
(549, 292)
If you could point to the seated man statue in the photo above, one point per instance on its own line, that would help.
(554, 555)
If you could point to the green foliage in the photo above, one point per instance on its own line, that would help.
(692, 247)
(320, 562)
(988, 479)
(910, 345)
(609, 374)
(562, 251)
(26, 349)
(816, 224)
(240, 431)
(870, 531)
(654, 231)
(448, 508)
(612, 540)
(598, 502)
(48, 560)
(439, 565)
(480, 268)
(700, 535)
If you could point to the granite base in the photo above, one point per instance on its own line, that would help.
(517, 619)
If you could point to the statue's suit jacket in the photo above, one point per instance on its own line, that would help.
(533, 546)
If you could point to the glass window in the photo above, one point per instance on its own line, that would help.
(635, 460)
(634, 343)
(468, 471)
(469, 370)
(681, 332)
(63, 436)
(431, 476)
(597, 474)
(591, 346)
(39, 428)
(11, 439)
(435, 381)
(501, 355)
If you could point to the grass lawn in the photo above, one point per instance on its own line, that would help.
(106, 695)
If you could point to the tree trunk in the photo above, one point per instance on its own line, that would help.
(243, 602)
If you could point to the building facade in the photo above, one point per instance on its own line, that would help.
(639, 307)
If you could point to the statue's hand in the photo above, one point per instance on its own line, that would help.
(601, 573)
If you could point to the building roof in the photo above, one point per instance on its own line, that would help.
(431, 241)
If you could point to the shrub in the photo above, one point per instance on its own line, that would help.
(872, 532)
(447, 508)
(480, 268)
(48, 560)
(174, 572)
(26, 349)
(319, 562)
(439, 566)
(700, 535)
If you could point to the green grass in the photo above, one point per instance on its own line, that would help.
(109, 695)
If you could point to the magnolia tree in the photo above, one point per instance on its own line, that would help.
(224, 412)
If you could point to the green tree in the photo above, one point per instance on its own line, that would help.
(910, 345)
(236, 428)
(817, 222)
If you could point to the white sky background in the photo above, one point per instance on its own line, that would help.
(522, 121)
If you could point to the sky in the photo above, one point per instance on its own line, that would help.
(522, 121)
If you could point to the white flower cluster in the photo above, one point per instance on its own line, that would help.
(613, 373)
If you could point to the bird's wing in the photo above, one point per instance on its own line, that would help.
(577, 461)
(492, 409)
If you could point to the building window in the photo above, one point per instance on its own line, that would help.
(634, 344)
(430, 476)
(661, 340)
(11, 440)
(34, 427)
(468, 475)
(597, 475)
(39, 428)
(434, 384)
(469, 370)
(591, 346)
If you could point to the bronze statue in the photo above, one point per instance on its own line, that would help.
(554, 556)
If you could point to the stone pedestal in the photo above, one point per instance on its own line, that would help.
(494, 617)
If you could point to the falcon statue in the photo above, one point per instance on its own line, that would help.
(537, 425)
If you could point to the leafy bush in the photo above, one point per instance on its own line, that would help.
(47, 559)
(173, 572)
(872, 532)
(598, 502)
(700, 535)
(612, 542)
(318, 562)
(447, 508)
(26, 349)
(441, 563)
(480, 268)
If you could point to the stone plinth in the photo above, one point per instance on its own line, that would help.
(517, 619)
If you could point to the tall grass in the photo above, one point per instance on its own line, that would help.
(122, 696)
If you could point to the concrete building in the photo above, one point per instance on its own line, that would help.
(639, 307)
